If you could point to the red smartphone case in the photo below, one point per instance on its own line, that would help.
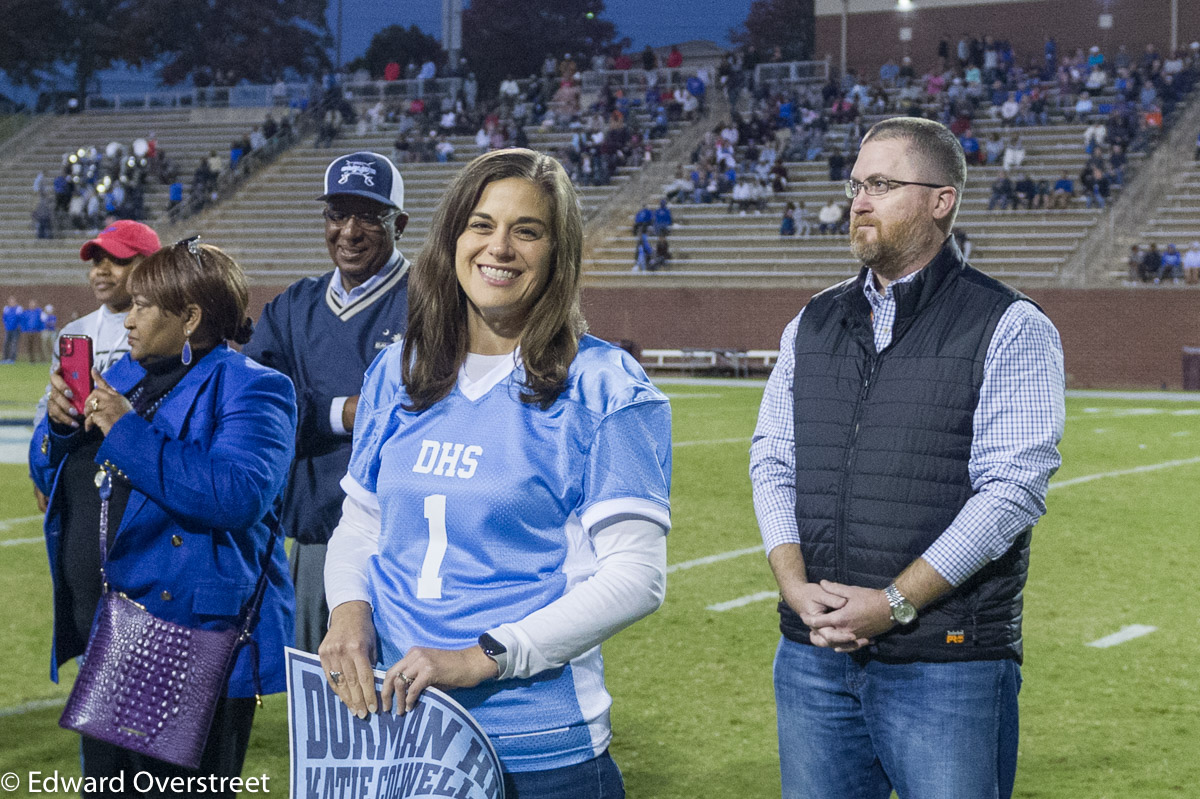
(75, 366)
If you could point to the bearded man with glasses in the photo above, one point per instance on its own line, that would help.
(323, 332)
(904, 446)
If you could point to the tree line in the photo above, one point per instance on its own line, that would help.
(263, 40)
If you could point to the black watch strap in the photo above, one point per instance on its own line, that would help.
(497, 651)
(491, 647)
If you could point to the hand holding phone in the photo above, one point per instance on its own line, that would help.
(75, 366)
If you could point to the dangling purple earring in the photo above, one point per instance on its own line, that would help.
(186, 356)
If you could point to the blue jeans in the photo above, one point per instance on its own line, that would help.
(856, 729)
(598, 778)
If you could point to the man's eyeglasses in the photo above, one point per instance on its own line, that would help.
(879, 186)
(192, 243)
(366, 219)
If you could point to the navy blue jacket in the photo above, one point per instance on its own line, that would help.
(325, 349)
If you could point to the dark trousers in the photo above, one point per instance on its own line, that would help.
(11, 339)
(223, 755)
(307, 563)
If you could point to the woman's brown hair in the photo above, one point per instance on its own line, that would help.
(435, 344)
(192, 273)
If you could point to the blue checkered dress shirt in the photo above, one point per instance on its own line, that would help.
(1018, 424)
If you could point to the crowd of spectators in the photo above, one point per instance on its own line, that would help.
(1148, 264)
(95, 184)
(609, 128)
(217, 170)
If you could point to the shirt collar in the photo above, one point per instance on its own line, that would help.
(339, 290)
(875, 296)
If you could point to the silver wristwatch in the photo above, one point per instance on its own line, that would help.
(903, 611)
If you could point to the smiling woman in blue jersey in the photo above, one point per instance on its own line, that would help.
(507, 497)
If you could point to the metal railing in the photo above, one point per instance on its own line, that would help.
(264, 96)
(290, 95)
(792, 72)
(635, 80)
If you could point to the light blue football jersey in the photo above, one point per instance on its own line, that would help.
(485, 502)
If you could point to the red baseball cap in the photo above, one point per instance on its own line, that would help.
(122, 239)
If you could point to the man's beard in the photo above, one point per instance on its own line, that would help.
(893, 248)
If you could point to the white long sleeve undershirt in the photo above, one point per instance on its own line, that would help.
(629, 583)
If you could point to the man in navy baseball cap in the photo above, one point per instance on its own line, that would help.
(369, 175)
(323, 332)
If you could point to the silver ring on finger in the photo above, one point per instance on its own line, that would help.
(335, 677)
(407, 680)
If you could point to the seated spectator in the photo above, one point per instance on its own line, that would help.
(779, 177)
(1063, 192)
(1024, 192)
(1191, 264)
(1041, 194)
(1116, 163)
(1151, 263)
(970, 146)
(1002, 193)
(787, 225)
(1095, 183)
(1083, 107)
(740, 197)
(830, 216)
(1014, 155)
(1094, 136)
(679, 189)
(803, 220)
(1171, 266)
(993, 150)
(837, 165)
(1133, 264)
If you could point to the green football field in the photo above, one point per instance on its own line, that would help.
(694, 714)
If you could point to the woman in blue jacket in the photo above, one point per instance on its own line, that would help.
(196, 440)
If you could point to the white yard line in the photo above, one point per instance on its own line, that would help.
(720, 556)
(7, 524)
(12, 542)
(30, 707)
(1126, 633)
(743, 600)
(1152, 467)
(745, 440)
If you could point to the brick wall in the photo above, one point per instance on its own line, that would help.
(1112, 338)
(873, 37)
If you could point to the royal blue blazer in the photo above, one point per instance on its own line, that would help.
(206, 475)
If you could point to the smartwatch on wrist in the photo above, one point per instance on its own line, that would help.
(903, 611)
(497, 651)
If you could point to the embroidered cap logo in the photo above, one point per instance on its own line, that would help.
(360, 168)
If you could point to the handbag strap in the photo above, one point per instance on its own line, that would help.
(248, 617)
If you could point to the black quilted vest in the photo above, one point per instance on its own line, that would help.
(882, 445)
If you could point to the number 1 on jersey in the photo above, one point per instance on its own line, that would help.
(429, 584)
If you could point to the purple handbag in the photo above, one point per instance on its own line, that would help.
(149, 685)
